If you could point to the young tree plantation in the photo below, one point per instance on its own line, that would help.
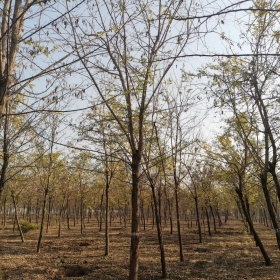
(139, 139)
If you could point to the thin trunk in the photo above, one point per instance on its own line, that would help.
(120, 212)
(107, 218)
(29, 207)
(101, 212)
(271, 210)
(214, 219)
(252, 229)
(159, 203)
(42, 220)
(165, 214)
(160, 238)
(16, 217)
(74, 213)
(178, 223)
(59, 217)
(125, 215)
(208, 222)
(112, 217)
(46, 189)
(243, 218)
(49, 214)
(4, 212)
(198, 219)
(218, 215)
(226, 216)
(81, 214)
(67, 214)
(153, 214)
(142, 214)
(265, 218)
(24, 211)
(37, 211)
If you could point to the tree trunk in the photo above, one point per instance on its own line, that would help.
(134, 246)
(59, 217)
(153, 214)
(49, 215)
(160, 239)
(270, 209)
(143, 221)
(37, 211)
(265, 221)
(81, 214)
(101, 213)
(214, 219)
(67, 214)
(218, 215)
(178, 223)
(159, 203)
(107, 218)
(75, 213)
(198, 219)
(16, 218)
(6, 156)
(226, 216)
(28, 211)
(4, 212)
(42, 221)
(208, 222)
(252, 229)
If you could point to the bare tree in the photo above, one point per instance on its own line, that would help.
(128, 69)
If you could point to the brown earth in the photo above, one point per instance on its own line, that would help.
(227, 254)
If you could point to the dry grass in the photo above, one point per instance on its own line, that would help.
(227, 254)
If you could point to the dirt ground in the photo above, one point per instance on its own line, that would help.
(227, 254)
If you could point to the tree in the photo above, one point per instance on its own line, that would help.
(101, 136)
(47, 176)
(134, 39)
(236, 167)
(247, 87)
(153, 171)
(27, 38)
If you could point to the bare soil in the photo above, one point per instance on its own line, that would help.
(228, 254)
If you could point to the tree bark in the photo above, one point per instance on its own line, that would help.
(107, 216)
(160, 238)
(134, 246)
(214, 219)
(178, 224)
(198, 219)
(208, 222)
(16, 218)
(42, 221)
(60, 217)
(252, 229)
(270, 209)
(6, 156)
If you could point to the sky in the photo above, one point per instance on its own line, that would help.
(216, 37)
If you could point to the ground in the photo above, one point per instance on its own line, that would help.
(227, 254)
